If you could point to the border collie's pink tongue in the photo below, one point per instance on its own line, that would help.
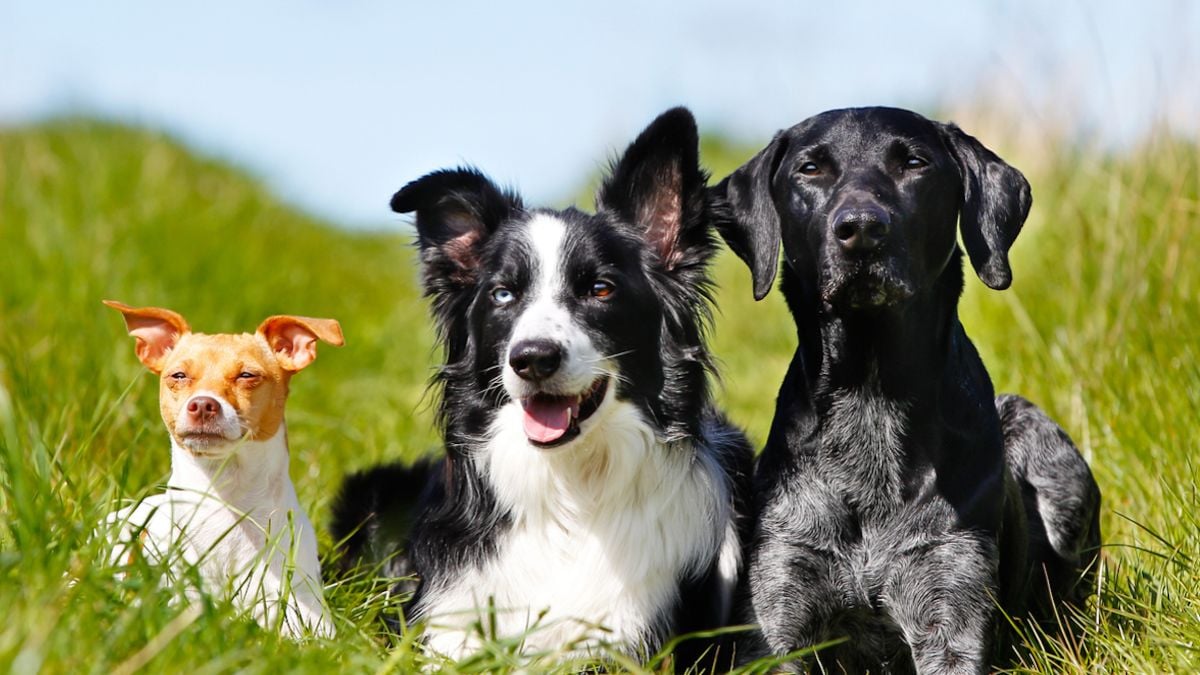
(547, 418)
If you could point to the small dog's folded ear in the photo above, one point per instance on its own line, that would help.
(996, 201)
(658, 186)
(156, 330)
(293, 339)
(751, 226)
(457, 210)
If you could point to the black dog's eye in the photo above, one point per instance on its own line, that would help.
(179, 375)
(602, 289)
(914, 162)
(502, 296)
(810, 169)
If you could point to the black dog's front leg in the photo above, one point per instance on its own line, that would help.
(942, 596)
(794, 599)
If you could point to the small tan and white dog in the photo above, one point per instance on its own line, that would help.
(229, 517)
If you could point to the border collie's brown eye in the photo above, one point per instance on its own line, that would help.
(602, 289)
(810, 169)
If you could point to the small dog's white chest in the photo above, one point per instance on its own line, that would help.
(251, 542)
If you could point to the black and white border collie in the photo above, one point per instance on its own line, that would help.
(588, 479)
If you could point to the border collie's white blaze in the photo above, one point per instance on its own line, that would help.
(589, 485)
(553, 406)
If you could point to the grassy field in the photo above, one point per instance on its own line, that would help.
(1101, 327)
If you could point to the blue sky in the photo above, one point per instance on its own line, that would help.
(336, 105)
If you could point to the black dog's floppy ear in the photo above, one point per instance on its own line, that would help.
(658, 185)
(457, 210)
(752, 231)
(996, 200)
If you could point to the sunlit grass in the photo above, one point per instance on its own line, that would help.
(1101, 328)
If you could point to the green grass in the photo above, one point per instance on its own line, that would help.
(1101, 327)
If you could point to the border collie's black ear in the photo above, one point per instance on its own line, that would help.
(996, 200)
(753, 231)
(457, 210)
(658, 185)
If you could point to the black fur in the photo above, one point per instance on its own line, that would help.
(894, 505)
(377, 506)
(652, 236)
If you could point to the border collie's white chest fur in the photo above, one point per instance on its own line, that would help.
(601, 534)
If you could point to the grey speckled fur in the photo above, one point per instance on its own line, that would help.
(897, 500)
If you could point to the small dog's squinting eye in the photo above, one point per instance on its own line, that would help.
(914, 162)
(501, 296)
(246, 375)
(179, 375)
(602, 289)
(810, 169)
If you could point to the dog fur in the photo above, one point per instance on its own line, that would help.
(626, 515)
(229, 517)
(896, 500)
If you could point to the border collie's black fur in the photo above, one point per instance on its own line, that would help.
(623, 489)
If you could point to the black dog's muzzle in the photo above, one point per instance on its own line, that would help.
(860, 248)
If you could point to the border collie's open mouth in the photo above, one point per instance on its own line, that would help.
(551, 421)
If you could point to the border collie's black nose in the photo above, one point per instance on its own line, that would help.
(535, 360)
(861, 229)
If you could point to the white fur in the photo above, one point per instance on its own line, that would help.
(729, 559)
(544, 317)
(604, 527)
(228, 421)
(603, 531)
(236, 520)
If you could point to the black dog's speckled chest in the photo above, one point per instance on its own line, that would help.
(897, 500)
(857, 519)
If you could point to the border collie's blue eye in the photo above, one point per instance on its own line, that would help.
(914, 162)
(602, 289)
(502, 296)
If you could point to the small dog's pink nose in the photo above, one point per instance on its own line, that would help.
(203, 408)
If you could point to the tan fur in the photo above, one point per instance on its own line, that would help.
(282, 346)
(230, 511)
(155, 330)
(214, 363)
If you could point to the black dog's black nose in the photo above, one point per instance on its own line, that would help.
(861, 230)
(535, 360)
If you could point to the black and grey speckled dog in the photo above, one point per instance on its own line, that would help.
(897, 499)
